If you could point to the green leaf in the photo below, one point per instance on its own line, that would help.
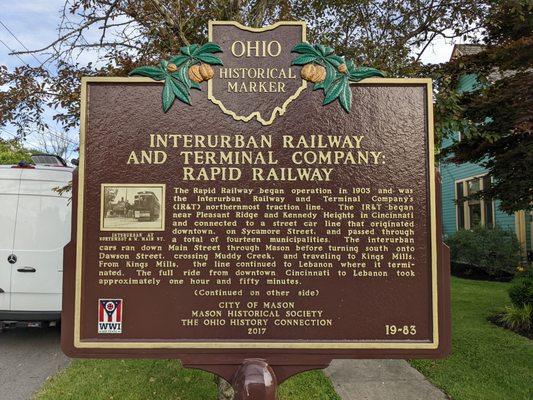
(155, 73)
(168, 94)
(335, 60)
(364, 72)
(304, 48)
(210, 47)
(304, 59)
(194, 48)
(350, 66)
(319, 85)
(334, 90)
(324, 50)
(190, 50)
(164, 64)
(331, 74)
(179, 60)
(209, 59)
(195, 85)
(183, 75)
(345, 97)
(180, 90)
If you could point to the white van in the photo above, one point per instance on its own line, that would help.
(34, 228)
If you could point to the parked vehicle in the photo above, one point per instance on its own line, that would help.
(34, 228)
(146, 206)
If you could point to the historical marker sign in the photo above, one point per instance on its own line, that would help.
(256, 222)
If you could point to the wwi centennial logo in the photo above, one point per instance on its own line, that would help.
(110, 315)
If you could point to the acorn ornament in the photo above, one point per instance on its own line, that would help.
(342, 68)
(172, 67)
(201, 72)
(194, 74)
(206, 71)
(313, 73)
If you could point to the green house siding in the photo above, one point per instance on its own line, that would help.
(468, 83)
(504, 220)
(451, 173)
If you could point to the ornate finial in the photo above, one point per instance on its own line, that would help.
(330, 72)
(183, 72)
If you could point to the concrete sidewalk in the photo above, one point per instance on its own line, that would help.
(380, 380)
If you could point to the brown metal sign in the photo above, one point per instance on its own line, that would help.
(256, 67)
(256, 222)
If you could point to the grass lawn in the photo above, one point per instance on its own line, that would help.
(160, 379)
(487, 362)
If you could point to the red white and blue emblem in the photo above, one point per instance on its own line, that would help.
(110, 315)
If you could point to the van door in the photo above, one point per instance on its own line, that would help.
(9, 188)
(41, 232)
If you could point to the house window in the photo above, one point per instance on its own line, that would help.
(473, 212)
(474, 206)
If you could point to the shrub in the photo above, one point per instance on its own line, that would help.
(521, 290)
(494, 251)
(518, 318)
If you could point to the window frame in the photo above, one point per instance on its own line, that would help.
(466, 203)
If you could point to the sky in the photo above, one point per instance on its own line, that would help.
(35, 22)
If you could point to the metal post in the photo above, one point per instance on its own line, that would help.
(255, 380)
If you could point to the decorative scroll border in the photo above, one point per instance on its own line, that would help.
(256, 114)
(257, 344)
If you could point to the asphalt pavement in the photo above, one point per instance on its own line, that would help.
(27, 358)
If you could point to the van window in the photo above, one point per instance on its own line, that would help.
(44, 216)
(43, 223)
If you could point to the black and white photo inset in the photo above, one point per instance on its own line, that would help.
(132, 207)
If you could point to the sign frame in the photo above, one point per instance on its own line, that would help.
(343, 347)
